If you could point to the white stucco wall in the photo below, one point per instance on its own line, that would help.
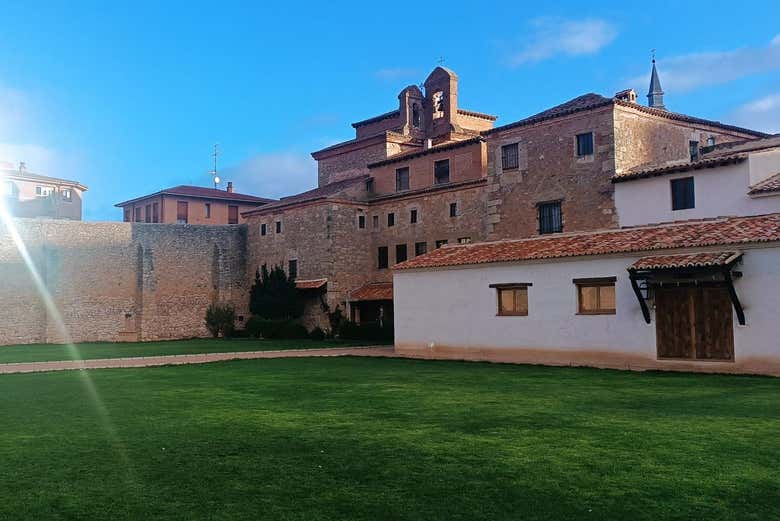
(451, 311)
(718, 192)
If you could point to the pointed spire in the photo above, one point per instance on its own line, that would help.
(655, 95)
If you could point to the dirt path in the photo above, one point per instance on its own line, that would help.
(149, 361)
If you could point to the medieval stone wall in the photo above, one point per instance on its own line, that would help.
(118, 281)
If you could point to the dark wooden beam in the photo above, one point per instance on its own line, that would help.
(733, 295)
(638, 293)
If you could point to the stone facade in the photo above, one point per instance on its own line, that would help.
(118, 281)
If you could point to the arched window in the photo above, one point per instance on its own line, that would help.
(415, 115)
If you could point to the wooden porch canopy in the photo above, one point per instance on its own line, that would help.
(686, 269)
(311, 285)
(373, 291)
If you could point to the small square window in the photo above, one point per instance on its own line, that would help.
(512, 299)
(402, 179)
(453, 209)
(263, 229)
(585, 144)
(292, 269)
(400, 253)
(278, 226)
(683, 196)
(413, 216)
(370, 185)
(550, 218)
(595, 296)
(361, 221)
(440, 243)
(464, 240)
(693, 148)
(390, 219)
(441, 171)
(509, 157)
(420, 248)
(67, 195)
(382, 261)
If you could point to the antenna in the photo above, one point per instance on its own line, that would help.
(441, 60)
(214, 173)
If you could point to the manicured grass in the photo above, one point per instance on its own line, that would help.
(373, 439)
(49, 352)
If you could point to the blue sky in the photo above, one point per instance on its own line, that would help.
(130, 98)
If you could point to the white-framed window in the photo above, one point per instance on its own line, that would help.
(67, 194)
(43, 191)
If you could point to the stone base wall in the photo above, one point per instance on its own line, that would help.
(117, 281)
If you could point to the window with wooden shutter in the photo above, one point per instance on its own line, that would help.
(596, 296)
(512, 298)
(683, 195)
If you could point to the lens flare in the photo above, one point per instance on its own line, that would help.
(7, 221)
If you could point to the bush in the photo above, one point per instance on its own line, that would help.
(366, 331)
(293, 331)
(274, 295)
(258, 327)
(317, 334)
(220, 319)
(254, 326)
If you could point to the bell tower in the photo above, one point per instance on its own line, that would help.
(441, 102)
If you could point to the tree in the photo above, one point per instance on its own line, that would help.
(274, 295)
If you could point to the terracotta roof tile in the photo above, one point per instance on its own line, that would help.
(387, 115)
(686, 260)
(689, 234)
(417, 153)
(580, 103)
(203, 193)
(311, 284)
(373, 291)
(679, 167)
(323, 192)
(766, 186)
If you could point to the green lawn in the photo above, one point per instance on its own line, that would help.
(48, 352)
(375, 439)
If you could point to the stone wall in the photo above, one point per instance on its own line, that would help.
(118, 281)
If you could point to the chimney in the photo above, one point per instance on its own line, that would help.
(230, 187)
(628, 95)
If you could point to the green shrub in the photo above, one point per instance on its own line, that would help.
(317, 334)
(293, 331)
(254, 326)
(366, 331)
(220, 319)
(274, 295)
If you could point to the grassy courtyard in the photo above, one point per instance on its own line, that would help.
(89, 351)
(355, 438)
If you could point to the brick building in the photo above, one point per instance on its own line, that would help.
(190, 205)
(431, 173)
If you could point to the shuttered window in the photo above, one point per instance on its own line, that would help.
(585, 144)
(683, 197)
(402, 179)
(596, 296)
(512, 299)
(232, 214)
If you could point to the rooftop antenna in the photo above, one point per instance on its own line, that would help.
(441, 60)
(214, 172)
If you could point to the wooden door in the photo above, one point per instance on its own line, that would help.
(694, 323)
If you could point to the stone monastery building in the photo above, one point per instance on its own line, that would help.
(431, 173)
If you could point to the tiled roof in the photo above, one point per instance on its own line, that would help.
(417, 153)
(29, 176)
(387, 115)
(767, 186)
(475, 114)
(686, 260)
(580, 103)
(322, 192)
(373, 291)
(747, 145)
(203, 193)
(688, 234)
(679, 167)
(311, 284)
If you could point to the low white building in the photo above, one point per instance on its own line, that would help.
(701, 296)
(724, 180)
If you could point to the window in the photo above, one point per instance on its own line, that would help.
(43, 191)
(361, 221)
(278, 226)
(137, 214)
(512, 299)
(550, 219)
(438, 104)
(370, 185)
(400, 253)
(683, 197)
(420, 248)
(382, 258)
(509, 157)
(441, 171)
(263, 229)
(402, 179)
(453, 209)
(232, 214)
(156, 212)
(182, 210)
(128, 215)
(440, 243)
(292, 269)
(693, 147)
(415, 115)
(390, 219)
(67, 195)
(464, 240)
(596, 296)
(413, 216)
(375, 222)
(207, 211)
(585, 144)
(148, 213)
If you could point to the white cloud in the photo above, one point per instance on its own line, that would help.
(273, 174)
(761, 114)
(553, 36)
(690, 71)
